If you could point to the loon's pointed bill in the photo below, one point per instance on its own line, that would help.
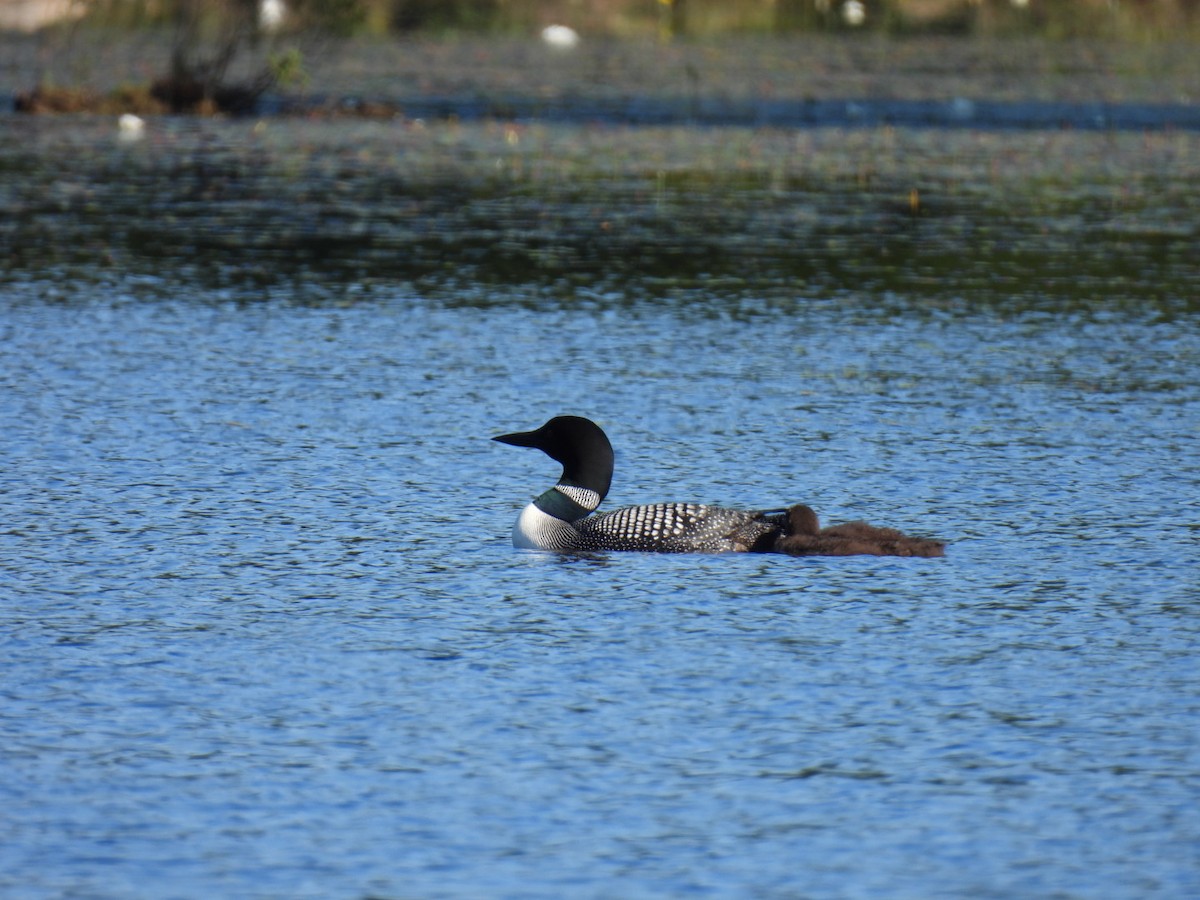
(561, 519)
(518, 438)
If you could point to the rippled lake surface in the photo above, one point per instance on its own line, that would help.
(264, 633)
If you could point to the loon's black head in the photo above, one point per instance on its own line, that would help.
(577, 443)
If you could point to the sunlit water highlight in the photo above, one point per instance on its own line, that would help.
(264, 633)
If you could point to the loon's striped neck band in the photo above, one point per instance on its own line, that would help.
(568, 502)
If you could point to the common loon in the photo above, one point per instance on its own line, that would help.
(561, 519)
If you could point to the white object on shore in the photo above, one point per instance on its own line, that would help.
(271, 14)
(130, 127)
(560, 37)
(854, 13)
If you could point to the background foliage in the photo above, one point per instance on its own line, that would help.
(1055, 18)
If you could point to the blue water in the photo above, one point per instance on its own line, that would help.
(264, 633)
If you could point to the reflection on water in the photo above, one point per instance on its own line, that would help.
(305, 208)
(265, 634)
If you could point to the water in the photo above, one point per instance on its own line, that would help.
(264, 633)
(330, 208)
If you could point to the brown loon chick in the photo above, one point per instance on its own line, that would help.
(562, 519)
(804, 536)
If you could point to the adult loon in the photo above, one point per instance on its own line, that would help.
(561, 518)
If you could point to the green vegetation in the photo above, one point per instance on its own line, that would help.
(706, 18)
(223, 54)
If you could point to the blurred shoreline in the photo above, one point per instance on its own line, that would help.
(741, 71)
